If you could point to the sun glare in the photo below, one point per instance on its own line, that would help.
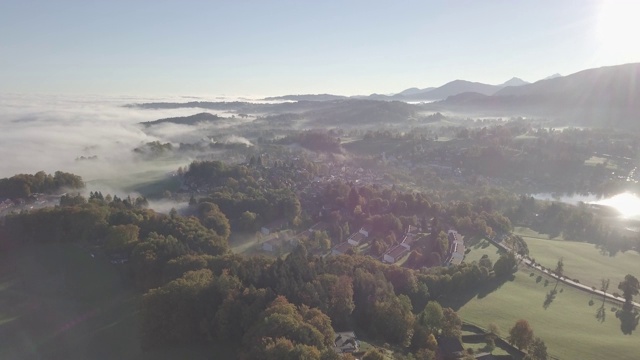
(617, 29)
(627, 204)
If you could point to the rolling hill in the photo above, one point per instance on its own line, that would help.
(185, 120)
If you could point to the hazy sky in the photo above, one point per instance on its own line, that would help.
(277, 47)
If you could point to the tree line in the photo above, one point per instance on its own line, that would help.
(22, 186)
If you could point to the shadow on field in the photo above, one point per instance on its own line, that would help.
(629, 319)
(551, 295)
(479, 291)
(477, 243)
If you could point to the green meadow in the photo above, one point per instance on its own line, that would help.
(568, 325)
(582, 261)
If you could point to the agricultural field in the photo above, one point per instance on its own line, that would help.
(59, 302)
(582, 261)
(568, 325)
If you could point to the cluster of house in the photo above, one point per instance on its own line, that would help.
(276, 240)
(456, 248)
(352, 242)
(392, 255)
(397, 252)
(35, 201)
(6, 205)
(449, 347)
(346, 342)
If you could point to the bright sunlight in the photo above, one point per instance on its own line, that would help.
(627, 204)
(617, 27)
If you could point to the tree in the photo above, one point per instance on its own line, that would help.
(521, 334)
(559, 271)
(247, 221)
(431, 317)
(604, 287)
(537, 350)
(212, 218)
(630, 287)
(505, 265)
(493, 330)
(121, 238)
(451, 324)
(373, 355)
(442, 244)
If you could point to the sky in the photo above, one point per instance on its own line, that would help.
(249, 48)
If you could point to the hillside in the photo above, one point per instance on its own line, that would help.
(185, 120)
(358, 112)
(607, 96)
(306, 97)
(454, 88)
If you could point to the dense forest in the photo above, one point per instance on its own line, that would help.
(24, 185)
(259, 305)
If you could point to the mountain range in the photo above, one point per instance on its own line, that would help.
(413, 94)
(606, 96)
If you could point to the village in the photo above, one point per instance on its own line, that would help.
(277, 240)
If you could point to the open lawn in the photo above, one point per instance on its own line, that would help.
(596, 160)
(58, 302)
(582, 261)
(568, 325)
(480, 247)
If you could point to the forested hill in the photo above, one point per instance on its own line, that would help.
(307, 97)
(262, 308)
(23, 185)
(186, 120)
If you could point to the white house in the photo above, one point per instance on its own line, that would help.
(365, 230)
(356, 238)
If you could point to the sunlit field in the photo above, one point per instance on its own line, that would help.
(582, 261)
(568, 326)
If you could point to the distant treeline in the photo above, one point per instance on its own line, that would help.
(23, 185)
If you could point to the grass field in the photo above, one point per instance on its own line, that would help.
(595, 160)
(568, 326)
(58, 302)
(480, 247)
(582, 261)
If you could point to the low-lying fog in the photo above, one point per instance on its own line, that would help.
(52, 132)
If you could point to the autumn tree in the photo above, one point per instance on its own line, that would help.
(537, 350)
(521, 334)
(121, 238)
(451, 324)
(373, 355)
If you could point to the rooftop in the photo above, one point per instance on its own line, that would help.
(342, 247)
(396, 251)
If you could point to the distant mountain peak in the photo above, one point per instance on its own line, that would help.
(514, 81)
(556, 75)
